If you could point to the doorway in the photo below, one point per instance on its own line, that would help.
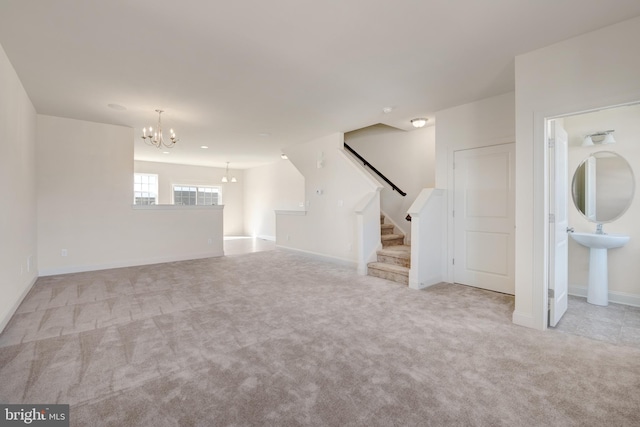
(623, 268)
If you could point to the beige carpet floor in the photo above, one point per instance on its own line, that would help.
(276, 338)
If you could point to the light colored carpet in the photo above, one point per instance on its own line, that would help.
(276, 338)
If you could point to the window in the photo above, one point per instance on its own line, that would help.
(145, 189)
(196, 195)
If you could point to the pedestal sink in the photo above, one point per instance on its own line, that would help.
(598, 244)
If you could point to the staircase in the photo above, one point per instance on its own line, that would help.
(394, 259)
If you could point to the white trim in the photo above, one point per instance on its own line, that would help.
(176, 207)
(265, 237)
(122, 264)
(524, 320)
(614, 296)
(322, 257)
(285, 212)
(14, 308)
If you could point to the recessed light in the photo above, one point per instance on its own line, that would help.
(283, 156)
(117, 107)
(165, 152)
(387, 110)
(203, 146)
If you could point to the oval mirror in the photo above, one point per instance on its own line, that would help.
(603, 186)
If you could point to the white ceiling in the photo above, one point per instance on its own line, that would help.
(228, 72)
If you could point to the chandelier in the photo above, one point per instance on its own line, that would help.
(225, 178)
(156, 138)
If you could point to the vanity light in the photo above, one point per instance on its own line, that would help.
(587, 141)
(603, 137)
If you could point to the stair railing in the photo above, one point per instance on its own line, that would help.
(370, 166)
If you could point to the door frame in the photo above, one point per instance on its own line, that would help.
(543, 301)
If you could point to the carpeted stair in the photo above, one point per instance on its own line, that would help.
(394, 259)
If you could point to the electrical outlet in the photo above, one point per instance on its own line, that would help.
(288, 237)
(210, 241)
(64, 252)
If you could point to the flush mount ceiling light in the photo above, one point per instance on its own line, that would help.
(603, 137)
(156, 138)
(225, 178)
(419, 123)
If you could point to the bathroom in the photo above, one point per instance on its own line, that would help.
(619, 322)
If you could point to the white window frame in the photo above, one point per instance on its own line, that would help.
(141, 188)
(217, 188)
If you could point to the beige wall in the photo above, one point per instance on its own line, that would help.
(483, 123)
(332, 193)
(84, 184)
(170, 174)
(623, 266)
(275, 186)
(18, 239)
(564, 78)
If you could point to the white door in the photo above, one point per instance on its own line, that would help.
(558, 223)
(484, 218)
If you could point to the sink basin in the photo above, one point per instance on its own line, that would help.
(600, 241)
(598, 244)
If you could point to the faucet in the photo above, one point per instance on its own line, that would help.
(599, 229)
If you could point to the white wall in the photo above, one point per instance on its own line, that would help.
(483, 123)
(275, 186)
(170, 174)
(18, 238)
(85, 190)
(594, 70)
(406, 158)
(623, 266)
(329, 227)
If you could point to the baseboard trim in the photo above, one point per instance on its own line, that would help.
(123, 264)
(525, 320)
(434, 280)
(614, 296)
(322, 257)
(4, 322)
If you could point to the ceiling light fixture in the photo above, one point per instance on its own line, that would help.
(225, 178)
(603, 137)
(155, 138)
(419, 123)
(283, 156)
